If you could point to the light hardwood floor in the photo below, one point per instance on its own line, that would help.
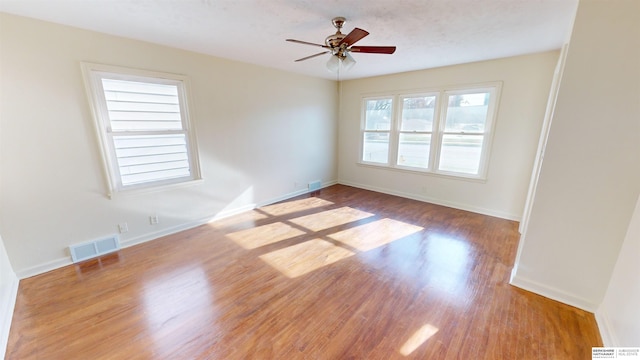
(346, 274)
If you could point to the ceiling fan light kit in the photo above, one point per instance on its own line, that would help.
(340, 46)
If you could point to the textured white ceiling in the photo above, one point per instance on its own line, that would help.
(427, 33)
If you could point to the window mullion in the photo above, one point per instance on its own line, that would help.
(440, 116)
(394, 131)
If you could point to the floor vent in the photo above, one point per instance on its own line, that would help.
(315, 185)
(88, 250)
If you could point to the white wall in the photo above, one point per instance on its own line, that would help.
(8, 282)
(590, 175)
(619, 314)
(526, 82)
(8, 292)
(260, 132)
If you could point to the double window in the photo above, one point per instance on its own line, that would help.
(143, 125)
(446, 132)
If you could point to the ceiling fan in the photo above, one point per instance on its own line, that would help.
(340, 46)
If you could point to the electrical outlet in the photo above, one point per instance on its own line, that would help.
(153, 219)
(123, 227)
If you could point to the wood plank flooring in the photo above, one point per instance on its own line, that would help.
(345, 274)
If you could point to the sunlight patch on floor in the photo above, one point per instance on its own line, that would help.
(375, 234)
(418, 338)
(330, 218)
(300, 259)
(449, 266)
(264, 235)
(295, 206)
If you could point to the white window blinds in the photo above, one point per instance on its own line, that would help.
(144, 107)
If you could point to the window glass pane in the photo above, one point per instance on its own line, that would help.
(413, 150)
(376, 148)
(467, 112)
(136, 106)
(151, 158)
(461, 153)
(417, 113)
(378, 114)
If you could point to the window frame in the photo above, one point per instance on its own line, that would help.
(93, 74)
(487, 133)
(364, 130)
(398, 117)
(438, 130)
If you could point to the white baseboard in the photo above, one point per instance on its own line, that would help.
(294, 194)
(552, 293)
(451, 204)
(58, 263)
(609, 338)
(8, 296)
(43, 268)
(231, 212)
(161, 233)
(281, 198)
(221, 215)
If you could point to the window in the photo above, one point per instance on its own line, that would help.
(416, 129)
(464, 131)
(445, 132)
(143, 126)
(377, 128)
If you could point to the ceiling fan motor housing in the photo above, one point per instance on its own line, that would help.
(333, 40)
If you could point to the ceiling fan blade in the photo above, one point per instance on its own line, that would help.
(307, 43)
(312, 56)
(354, 36)
(374, 49)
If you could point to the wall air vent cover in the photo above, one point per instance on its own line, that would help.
(315, 185)
(95, 248)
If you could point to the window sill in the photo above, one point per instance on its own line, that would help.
(115, 194)
(403, 169)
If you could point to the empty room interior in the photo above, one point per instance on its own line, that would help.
(319, 180)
